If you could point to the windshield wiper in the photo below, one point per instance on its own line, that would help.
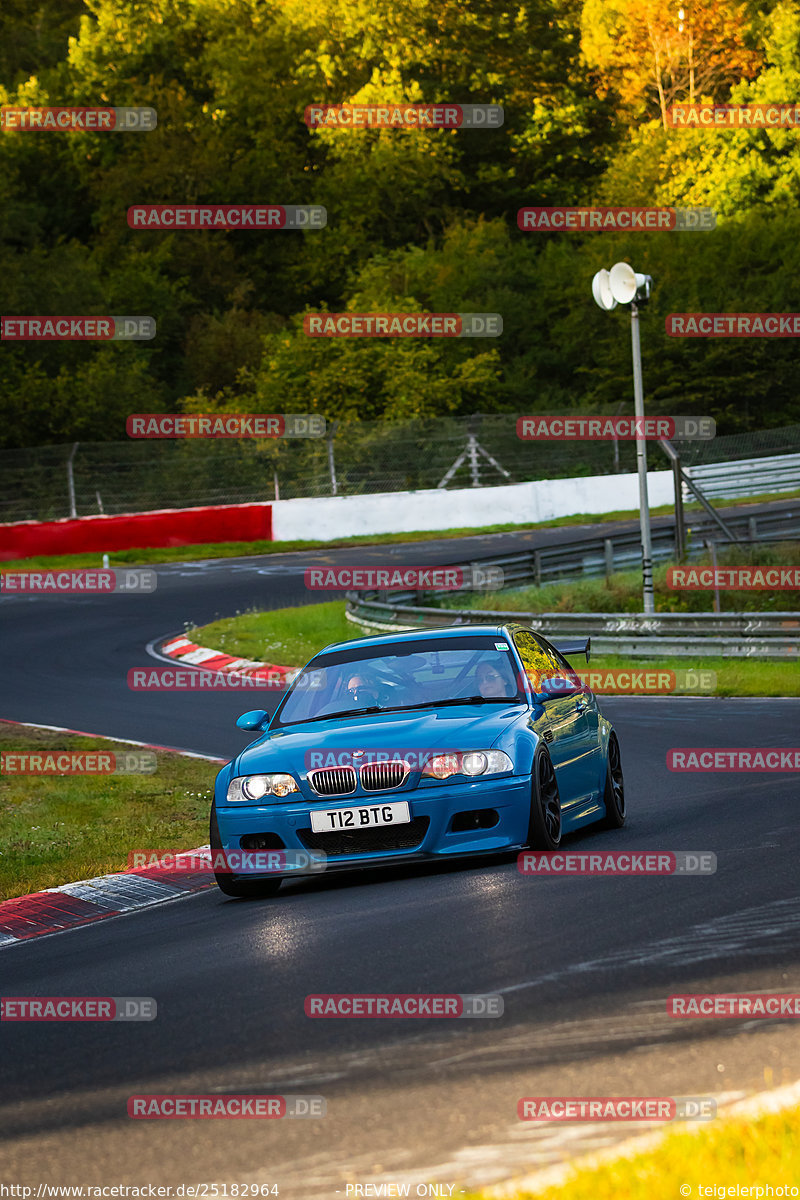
(347, 712)
(376, 708)
(467, 700)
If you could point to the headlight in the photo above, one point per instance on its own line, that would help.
(472, 762)
(257, 787)
(254, 787)
(442, 766)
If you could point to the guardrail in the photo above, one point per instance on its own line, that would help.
(747, 476)
(604, 556)
(685, 635)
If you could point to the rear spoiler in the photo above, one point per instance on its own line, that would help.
(569, 647)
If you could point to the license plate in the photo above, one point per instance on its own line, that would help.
(363, 817)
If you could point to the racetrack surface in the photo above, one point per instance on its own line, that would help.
(584, 965)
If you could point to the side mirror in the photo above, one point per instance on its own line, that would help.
(253, 719)
(552, 687)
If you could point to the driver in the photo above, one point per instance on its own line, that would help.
(491, 683)
(363, 690)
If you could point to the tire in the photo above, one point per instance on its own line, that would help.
(250, 889)
(614, 793)
(544, 827)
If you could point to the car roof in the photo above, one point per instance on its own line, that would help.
(391, 639)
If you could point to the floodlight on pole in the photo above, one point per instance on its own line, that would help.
(601, 290)
(623, 285)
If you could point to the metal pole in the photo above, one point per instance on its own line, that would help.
(713, 551)
(712, 512)
(472, 450)
(680, 524)
(608, 547)
(678, 477)
(493, 461)
(331, 463)
(677, 481)
(73, 512)
(616, 441)
(641, 463)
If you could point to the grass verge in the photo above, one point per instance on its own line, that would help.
(622, 592)
(290, 636)
(733, 1152)
(286, 636)
(142, 556)
(56, 829)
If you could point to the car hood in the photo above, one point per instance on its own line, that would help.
(467, 727)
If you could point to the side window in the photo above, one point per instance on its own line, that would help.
(538, 663)
(566, 670)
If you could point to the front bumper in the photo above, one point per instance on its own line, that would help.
(433, 810)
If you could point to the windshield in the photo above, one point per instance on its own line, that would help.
(419, 673)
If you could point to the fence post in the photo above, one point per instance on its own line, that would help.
(680, 525)
(677, 480)
(713, 552)
(73, 512)
(331, 463)
(472, 446)
(609, 549)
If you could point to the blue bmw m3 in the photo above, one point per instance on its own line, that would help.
(416, 746)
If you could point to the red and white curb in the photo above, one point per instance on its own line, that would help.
(55, 910)
(103, 737)
(189, 652)
(90, 900)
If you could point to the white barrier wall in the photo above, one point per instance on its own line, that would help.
(325, 518)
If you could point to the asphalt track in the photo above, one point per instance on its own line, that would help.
(584, 965)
